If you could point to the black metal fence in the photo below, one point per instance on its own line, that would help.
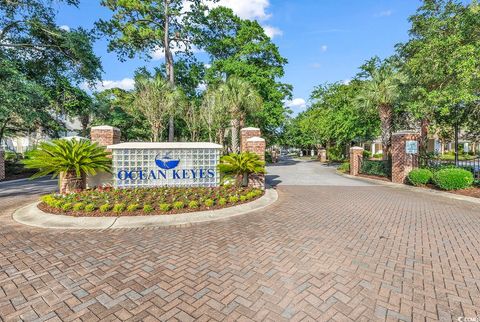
(472, 165)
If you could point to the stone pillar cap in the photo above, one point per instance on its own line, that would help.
(104, 127)
(250, 129)
(255, 139)
(356, 148)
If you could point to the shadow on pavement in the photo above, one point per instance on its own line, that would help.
(284, 161)
(27, 187)
(272, 180)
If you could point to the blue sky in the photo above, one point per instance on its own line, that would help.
(324, 40)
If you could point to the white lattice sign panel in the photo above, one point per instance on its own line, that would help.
(166, 164)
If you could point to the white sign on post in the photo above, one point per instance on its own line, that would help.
(411, 147)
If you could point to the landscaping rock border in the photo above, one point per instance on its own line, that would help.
(32, 216)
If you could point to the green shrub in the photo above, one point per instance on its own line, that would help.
(147, 209)
(49, 200)
(165, 207)
(209, 203)
(233, 199)
(453, 179)
(178, 205)
(251, 195)
(67, 206)
(222, 202)
(133, 207)
(420, 177)
(193, 204)
(105, 207)
(78, 206)
(243, 198)
(57, 204)
(376, 168)
(335, 154)
(344, 167)
(90, 207)
(378, 156)
(118, 208)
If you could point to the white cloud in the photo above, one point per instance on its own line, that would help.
(248, 9)
(125, 84)
(252, 10)
(316, 65)
(386, 13)
(296, 103)
(65, 27)
(272, 31)
(346, 82)
(324, 48)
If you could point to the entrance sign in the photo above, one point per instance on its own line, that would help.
(411, 147)
(180, 164)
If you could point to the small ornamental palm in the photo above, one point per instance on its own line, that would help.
(72, 159)
(241, 165)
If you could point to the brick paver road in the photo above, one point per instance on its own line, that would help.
(320, 253)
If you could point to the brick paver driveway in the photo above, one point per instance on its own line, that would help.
(321, 252)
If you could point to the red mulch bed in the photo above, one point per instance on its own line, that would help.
(44, 207)
(470, 192)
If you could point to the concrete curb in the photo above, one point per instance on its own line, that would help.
(32, 216)
(414, 189)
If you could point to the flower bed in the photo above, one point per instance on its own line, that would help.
(146, 201)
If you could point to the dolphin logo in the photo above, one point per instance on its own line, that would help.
(166, 162)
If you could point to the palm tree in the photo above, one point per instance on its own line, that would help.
(240, 99)
(73, 159)
(241, 166)
(381, 91)
(158, 100)
(215, 117)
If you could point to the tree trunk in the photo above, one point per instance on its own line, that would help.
(235, 132)
(169, 65)
(71, 183)
(245, 179)
(155, 135)
(2, 129)
(385, 112)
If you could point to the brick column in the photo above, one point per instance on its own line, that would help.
(256, 145)
(356, 156)
(247, 133)
(104, 135)
(2, 164)
(322, 155)
(403, 162)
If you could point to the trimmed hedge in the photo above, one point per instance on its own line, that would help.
(420, 177)
(453, 179)
(376, 168)
(344, 167)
